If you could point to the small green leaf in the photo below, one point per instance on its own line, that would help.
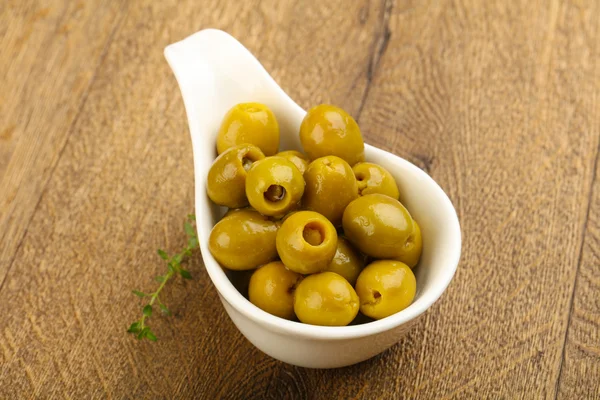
(170, 267)
(164, 309)
(142, 333)
(177, 259)
(147, 310)
(149, 335)
(191, 217)
(134, 328)
(189, 229)
(163, 254)
(193, 242)
(188, 252)
(185, 273)
(159, 279)
(138, 293)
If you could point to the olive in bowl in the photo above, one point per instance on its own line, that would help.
(385, 287)
(274, 186)
(226, 181)
(249, 123)
(372, 178)
(306, 242)
(272, 287)
(328, 130)
(330, 187)
(325, 299)
(243, 240)
(378, 225)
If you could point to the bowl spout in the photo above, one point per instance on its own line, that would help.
(215, 72)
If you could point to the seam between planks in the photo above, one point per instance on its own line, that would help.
(380, 43)
(579, 261)
(581, 248)
(82, 103)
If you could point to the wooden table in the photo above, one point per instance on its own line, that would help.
(498, 101)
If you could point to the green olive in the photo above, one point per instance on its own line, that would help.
(235, 210)
(306, 242)
(252, 123)
(373, 178)
(226, 183)
(347, 262)
(243, 240)
(330, 187)
(286, 216)
(297, 158)
(274, 186)
(272, 289)
(385, 287)
(329, 130)
(411, 253)
(378, 225)
(325, 299)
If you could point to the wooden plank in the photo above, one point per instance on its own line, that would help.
(49, 52)
(580, 373)
(121, 189)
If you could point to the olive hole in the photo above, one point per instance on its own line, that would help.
(313, 234)
(376, 294)
(275, 193)
(246, 163)
(409, 242)
(292, 288)
(362, 183)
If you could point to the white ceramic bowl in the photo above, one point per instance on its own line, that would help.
(215, 72)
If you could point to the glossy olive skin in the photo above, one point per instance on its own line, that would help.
(330, 187)
(272, 289)
(243, 240)
(236, 210)
(411, 254)
(252, 123)
(385, 287)
(325, 299)
(347, 262)
(378, 225)
(372, 178)
(226, 183)
(274, 173)
(329, 130)
(297, 158)
(306, 242)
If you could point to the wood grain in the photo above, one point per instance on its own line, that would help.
(580, 373)
(49, 52)
(498, 102)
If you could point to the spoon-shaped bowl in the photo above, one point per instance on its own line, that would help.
(215, 72)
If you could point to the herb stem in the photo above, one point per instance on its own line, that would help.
(139, 327)
(154, 296)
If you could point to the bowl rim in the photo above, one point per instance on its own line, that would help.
(230, 295)
(237, 301)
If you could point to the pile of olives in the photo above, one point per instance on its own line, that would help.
(323, 231)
